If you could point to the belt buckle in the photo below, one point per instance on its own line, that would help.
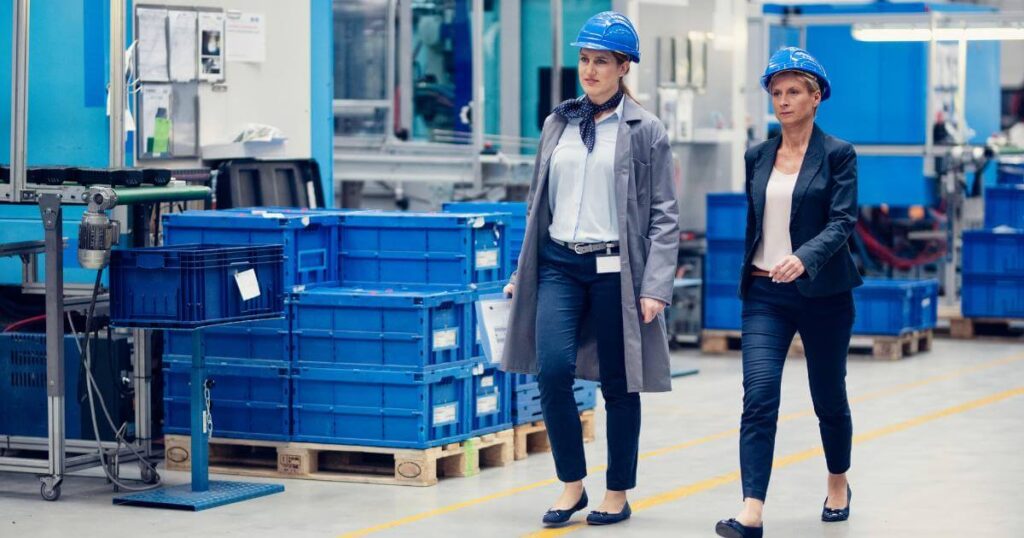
(576, 249)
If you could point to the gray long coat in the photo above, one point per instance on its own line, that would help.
(649, 242)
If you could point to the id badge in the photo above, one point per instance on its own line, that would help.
(608, 264)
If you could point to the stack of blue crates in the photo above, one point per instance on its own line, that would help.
(1011, 171)
(993, 258)
(891, 307)
(525, 396)
(249, 363)
(389, 355)
(726, 227)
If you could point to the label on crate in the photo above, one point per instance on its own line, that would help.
(487, 381)
(445, 414)
(248, 285)
(446, 338)
(486, 405)
(926, 302)
(486, 259)
(478, 369)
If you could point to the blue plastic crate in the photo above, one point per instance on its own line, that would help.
(723, 261)
(884, 307)
(925, 311)
(515, 228)
(23, 385)
(438, 249)
(402, 409)
(492, 400)
(1011, 172)
(1004, 206)
(987, 252)
(249, 401)
(526, 401)
(989, 296)
(723, 309)
(412, 327)
(726, 215)
(310, 239)
(265, 340)
(192, 286)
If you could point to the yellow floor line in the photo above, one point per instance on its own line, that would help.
(791, 459)
(960, 372)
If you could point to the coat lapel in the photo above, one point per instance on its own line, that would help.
(547, 148)
(762, 172)
(808, 169)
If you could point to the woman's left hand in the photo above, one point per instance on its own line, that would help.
(787, 270)
(651, 308)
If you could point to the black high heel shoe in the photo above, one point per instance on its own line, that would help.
(832, 515)
(560, 517)
(730, 528)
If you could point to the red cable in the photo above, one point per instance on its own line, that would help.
(889, 257)
(27, 321)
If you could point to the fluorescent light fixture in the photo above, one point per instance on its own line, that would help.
(918, 32)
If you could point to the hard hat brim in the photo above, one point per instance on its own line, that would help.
(597, 46)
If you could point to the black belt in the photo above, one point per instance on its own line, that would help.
(587, 248)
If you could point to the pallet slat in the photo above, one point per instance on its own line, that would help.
(881, 347)
(532, 437)
(343, 463)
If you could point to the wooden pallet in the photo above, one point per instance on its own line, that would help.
(344, 463)
(717, 342)
(532, 437)
(879, 347)
(965, 328)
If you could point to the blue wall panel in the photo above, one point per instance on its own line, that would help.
(896, 181)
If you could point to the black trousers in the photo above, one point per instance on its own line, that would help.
(569, 291)
(772, 313)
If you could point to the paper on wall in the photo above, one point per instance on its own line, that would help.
(211, 46)
(183, 35)
(152, 46)
(248, 37)
(155, 105)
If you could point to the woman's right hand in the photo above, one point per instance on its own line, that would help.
(509, 290)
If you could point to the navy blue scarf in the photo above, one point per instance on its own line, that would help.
(584, 109)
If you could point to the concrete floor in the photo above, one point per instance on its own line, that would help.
(939, 452)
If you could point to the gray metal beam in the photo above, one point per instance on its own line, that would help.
(19, 98)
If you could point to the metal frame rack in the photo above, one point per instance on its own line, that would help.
(58, 463)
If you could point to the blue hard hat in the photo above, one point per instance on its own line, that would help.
(610, 30)
(796, 59)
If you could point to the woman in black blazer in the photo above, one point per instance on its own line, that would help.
(797, 277)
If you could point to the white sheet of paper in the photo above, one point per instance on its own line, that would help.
(608, 264)
(211, 46)
(247, 36)
(156, 102)
(492, 313)
(181, 26)
(152, 47)
(248, 285)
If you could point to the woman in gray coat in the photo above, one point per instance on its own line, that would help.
(597, 266)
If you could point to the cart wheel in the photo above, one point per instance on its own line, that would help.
(149, 474)
(49, 493)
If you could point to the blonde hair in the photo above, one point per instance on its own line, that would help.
(809, 80)
(622, 58)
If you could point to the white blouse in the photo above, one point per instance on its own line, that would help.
(775, 243)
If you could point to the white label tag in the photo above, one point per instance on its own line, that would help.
(487, 381)
(478, 369)
(608, 264)
(487, 404)
(486, 259)
(926, 302)
(445, 414)
(446, 338)
(248, 286)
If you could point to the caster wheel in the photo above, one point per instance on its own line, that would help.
(149, 475)
(48, 493)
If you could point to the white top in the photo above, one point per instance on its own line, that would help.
(581, 186)
(775, 243)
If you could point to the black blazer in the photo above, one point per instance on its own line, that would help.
(823, 215)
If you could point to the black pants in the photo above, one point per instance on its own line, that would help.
(772, 313)
(569, 291)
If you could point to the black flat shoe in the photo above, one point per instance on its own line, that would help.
(832, 515)
(560, 517)
(604, 518)
(730, 528)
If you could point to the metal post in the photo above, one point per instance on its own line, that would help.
(478, 111)
(116, 88)
(142, 358)
(200, 441)
(49, 207)
(556, 52)
(19, 96)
